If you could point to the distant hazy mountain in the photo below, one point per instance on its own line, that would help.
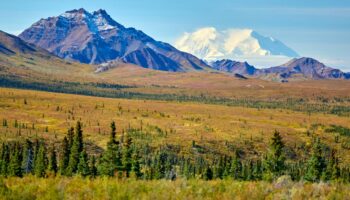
(230, 66)
(95, 38)
(306, 67)
(244, 44)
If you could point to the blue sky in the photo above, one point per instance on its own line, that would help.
(315, 28)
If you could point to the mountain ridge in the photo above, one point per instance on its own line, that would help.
(308, 67)
(95, 38)
(305, 67)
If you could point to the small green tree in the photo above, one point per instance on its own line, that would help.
(52, 162)
(64, 156)
(78, 137)
(14, 168)
(335, 175)
(236, 168)
(126, 154)
(274, 164)
(83, 167)
(135, 165)
(27, 157)
(208, 174)
(70, 137)
(110, 159)
(5, 159)
(113, 132)
(316, 163)
(93, 169)
(75, 150)
(41, 161)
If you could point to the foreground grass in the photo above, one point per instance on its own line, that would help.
(104, 188)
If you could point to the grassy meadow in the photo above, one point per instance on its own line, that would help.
(107, 188)
(194, 126)
(214, 126)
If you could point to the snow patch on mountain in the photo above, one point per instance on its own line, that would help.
(102, 23)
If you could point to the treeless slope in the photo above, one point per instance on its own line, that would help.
(223, 85)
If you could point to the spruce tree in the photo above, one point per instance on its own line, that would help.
(28, 157)
(75, 150)
(236, 168)
(274, 164)
(218, 169)
(78, 137)
(256, 170)
(329, 163)
(316, 163)
(335, 168)
(93, 169)
(127, 153)
(52, 162)
(64, 156)
(113, 132)
(135, 165)
(186, 168)
(36, 146)
(159, 165)
(110, 160)
(5, 159)
(70, 137)
(14, 168)
(208, 174)
(41, 161)
(83, 166)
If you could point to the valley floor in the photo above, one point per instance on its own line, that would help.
(215, 127)
(195, 128)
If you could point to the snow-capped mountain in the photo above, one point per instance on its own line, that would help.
(95, 38)
(236, 44)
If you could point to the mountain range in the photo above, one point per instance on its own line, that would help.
(96, 39)
(305, 68)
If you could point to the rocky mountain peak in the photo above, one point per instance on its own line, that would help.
(96, 38)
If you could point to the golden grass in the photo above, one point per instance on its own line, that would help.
(107, 188)
(183, 122)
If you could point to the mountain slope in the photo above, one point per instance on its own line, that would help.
(10, 44)
(308, 68)
(95, 38)
(234, 67)
(26, 62)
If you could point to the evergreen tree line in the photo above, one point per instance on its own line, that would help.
(123, 158)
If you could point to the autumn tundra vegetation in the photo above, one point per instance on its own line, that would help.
(109, 145)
